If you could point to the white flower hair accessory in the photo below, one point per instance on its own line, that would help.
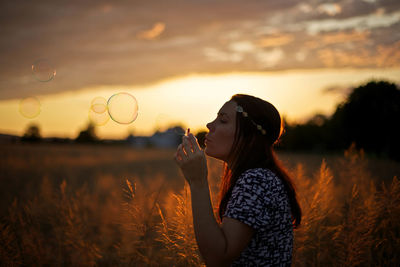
(244, 114)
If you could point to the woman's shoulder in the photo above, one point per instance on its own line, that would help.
(261, 173)
(261, 177)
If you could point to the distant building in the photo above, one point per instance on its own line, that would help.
(167, 139)
(170, 138)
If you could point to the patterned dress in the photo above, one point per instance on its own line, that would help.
(259, 200)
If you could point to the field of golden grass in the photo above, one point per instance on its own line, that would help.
(75, 205)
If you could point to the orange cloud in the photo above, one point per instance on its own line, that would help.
(342, 37)
(385, 56)
(274, 41)
(337, 38)
(153, 33)
(337, 58)
(389, 56)
(327, 57)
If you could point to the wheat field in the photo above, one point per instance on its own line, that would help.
(75, 205)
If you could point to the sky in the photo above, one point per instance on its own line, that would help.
(182, 60)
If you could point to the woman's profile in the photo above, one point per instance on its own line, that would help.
(258, 206)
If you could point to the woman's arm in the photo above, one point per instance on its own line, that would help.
(218, 244)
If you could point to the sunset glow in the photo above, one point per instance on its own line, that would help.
(192, 101)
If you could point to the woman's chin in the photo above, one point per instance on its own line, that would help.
(209, 153)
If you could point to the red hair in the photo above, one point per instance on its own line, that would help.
(253, 149)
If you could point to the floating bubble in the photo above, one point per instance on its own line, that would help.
(43, 70)
(98, 119)
(29, 107)
(99, 104)
(123, 108)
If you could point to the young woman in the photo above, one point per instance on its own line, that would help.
(258, 207)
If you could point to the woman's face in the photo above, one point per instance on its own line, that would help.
(221, 135)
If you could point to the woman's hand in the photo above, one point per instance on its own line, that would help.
(192, 161)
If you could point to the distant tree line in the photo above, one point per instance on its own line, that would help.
(32, 135)
(369, 118)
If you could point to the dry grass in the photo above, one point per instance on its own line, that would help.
(112, 206)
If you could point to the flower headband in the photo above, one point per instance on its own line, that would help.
(244, 113)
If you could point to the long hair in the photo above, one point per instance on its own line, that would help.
(252, 149)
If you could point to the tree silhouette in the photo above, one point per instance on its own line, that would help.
(88, 135)
(32, 134)
(369, 118)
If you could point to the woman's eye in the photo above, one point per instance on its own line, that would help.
(222, 121)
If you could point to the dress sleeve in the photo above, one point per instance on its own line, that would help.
(251, 201)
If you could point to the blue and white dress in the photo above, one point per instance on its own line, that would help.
(259, 200)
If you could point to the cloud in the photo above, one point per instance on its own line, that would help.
(301, 56)
(305, 7)
(385, 56)
(333, 58)
(242, 47)
(214, 54)
(342, 90)
(370, 21)
(388, 55)
(341, 37)
(330, 9)
(338, 38)
(270, 58)
(273, 41)
(153, 33)
(131, 43)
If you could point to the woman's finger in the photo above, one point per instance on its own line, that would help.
(180, 153)
(186, 145)
(194, 143)
(177, 157)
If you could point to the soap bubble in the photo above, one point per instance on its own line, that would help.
(123, 108)
(99, 104)
(98, 119)
(29, 107)
(43, 70)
